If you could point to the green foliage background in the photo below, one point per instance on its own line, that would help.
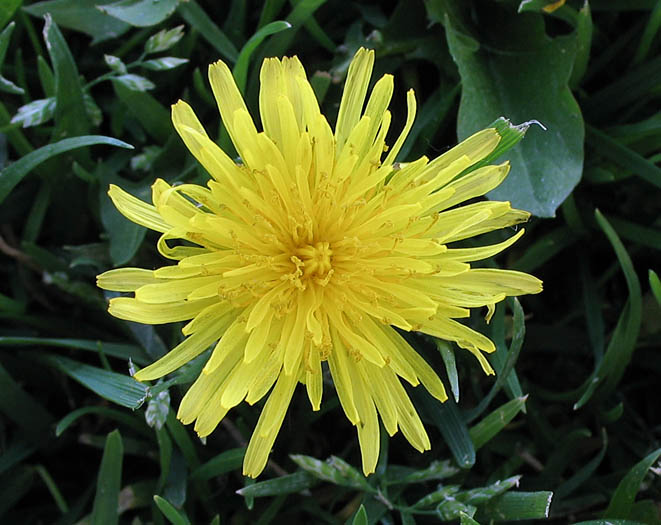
(86, 86)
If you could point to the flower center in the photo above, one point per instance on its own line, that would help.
(316, 259)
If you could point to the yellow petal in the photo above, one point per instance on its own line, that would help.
(137, 211)
(133, 310)
(125, 279)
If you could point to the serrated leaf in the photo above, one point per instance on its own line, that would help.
(14, 173)
(500, 78)
(140, 13)
(164, 40)
(35, 113)
(134, 82)
(163, 63)
(115, 63)
(81, 15)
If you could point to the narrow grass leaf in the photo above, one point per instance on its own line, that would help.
(651, 30)
(70, 115)
(119, 416)
(192, 13)
(583, 474)
(105, 508)
(447, 418)
(622, 155)
(170, 512)
(283, 485)
(481, 433)
(592, 307)
(240, 70)
(52, 488)
(118, 388)
(120, 350)
(140, 13)
(584, 31)
(334, 470)
(302, 10)
(7, 9)
(655, 285)
(513, 506)
(360, 517)
(221, 464)
(625, 494)
(436, 470)
(19, 406)
(622, 344)
(147, 110)
(14, 173)
(645, 235)
(450, 366)
(545, 248)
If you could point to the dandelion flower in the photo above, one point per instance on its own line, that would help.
(316, 247)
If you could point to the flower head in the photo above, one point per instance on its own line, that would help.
(315, 248)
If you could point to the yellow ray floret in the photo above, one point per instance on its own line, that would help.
(316, 247)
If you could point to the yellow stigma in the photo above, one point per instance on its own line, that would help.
(316, 259)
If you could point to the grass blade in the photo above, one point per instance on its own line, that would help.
(105, 511)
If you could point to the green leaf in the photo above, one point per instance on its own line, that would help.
(14, 173)
(655, 285)
(219, 465)
(584, 30)
(105, 510)
(481, 433)
(504, 77)
(158, 409)
(35, 113)
(625, 494)
(140, 13)
(6, 85)
(121, 416)
(118, 388)
(450, 366)
(200, 21)
(624, 156)
(7, 10)
(301, 12)
(360, 518)
(170, 512)
(447, 418)
(122, 351)
(405, 475)
(70, 114)
(240, 70)
(335, 470)
(583, 474)
(163, 40)
(147, 110)
(611, 368)
(134, 82)
(163, 63)
(115, 64)
(513, 506)
(283, 485)
(81, 15)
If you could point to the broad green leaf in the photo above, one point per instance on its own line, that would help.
(625, 493)
(105, 510)
(283, 485)
(140, 13)
(221, 464)
(200, 21)
(504, 77)
(163, 40)
(35, 113)
(70, 114)
(163, 63)
(81, 15)
(170, 512)
(14, 173)
(241, 67)
(481, 433)
(118, 388)
(7, 10)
